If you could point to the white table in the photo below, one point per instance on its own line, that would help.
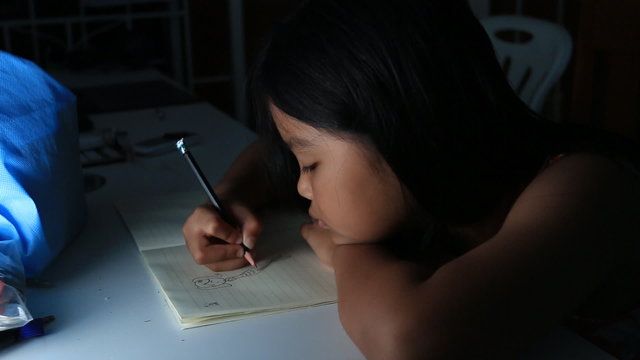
(108, 306)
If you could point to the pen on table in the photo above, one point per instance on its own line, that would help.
(30, 330)
(180, 145)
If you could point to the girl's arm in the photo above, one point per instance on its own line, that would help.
(246, 179)
(570, 227)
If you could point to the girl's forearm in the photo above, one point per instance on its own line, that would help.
(246, 178)
(377, 298)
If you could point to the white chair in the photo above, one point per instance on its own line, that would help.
(534, 62)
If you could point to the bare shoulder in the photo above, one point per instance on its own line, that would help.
(584, 194)
(564, 238)
(585, 208)
(585, 171)
(572, 226)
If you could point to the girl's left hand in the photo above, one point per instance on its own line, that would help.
(322, 241)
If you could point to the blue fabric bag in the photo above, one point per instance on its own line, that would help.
(42, 203)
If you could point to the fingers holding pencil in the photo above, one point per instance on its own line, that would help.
(250, 225)
(215, 243)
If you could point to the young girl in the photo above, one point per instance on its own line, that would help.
(458, 223)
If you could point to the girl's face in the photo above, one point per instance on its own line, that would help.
(353, 191)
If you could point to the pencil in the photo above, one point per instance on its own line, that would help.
(180, 145)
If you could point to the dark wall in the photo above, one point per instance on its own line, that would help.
(600, 87)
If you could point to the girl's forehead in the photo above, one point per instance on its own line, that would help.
(301, 136)
(288, 126)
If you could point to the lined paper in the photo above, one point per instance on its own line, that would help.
(289, 275)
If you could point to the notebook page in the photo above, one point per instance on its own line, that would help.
(289, 275)
(156, 222)
(291, 279)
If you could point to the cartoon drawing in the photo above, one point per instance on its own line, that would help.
(220, 280)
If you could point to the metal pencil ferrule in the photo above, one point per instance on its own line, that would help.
(181, 147)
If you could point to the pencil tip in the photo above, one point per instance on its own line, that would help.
(249, 258)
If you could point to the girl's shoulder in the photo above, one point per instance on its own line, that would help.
(594, 161)
(588, 186)
(592, 203)
(588, 175)
(611, 188)
(570, 229)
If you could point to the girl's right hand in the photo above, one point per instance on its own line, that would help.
(216, 244)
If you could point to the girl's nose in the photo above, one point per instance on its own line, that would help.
(304, 187)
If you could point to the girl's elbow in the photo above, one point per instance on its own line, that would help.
(398, 338)
(423, 339)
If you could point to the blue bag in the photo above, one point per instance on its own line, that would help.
(42, 203)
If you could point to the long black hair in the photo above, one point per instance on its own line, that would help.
(420, 81)
(416, 78)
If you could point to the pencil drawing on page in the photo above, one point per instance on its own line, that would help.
(223, 279)
(288, 277)
(220, 280)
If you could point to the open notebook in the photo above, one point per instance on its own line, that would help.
(288, 277)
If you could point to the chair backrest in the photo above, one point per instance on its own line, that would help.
(535, 59)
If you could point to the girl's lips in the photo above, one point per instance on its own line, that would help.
(319, 223)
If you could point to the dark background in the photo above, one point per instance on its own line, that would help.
(601, 86)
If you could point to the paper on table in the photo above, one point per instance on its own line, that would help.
(289, 276)
(156, 221)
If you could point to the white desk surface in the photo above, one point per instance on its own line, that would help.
(108, 306)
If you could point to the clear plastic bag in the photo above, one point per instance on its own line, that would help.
(13, 310)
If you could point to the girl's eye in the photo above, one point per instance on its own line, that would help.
(307, 169)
